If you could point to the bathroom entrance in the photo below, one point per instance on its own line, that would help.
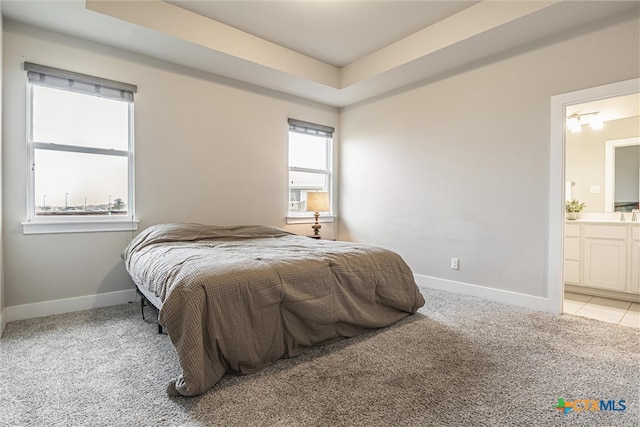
(593, 257)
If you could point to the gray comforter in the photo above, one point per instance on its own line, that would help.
(236, 299)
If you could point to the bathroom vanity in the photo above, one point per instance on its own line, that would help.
(602, 258)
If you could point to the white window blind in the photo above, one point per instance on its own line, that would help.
(81, 83)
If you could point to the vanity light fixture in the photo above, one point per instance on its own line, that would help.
(575, 121)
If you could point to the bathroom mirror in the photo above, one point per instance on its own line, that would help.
(622, 175)
(603, 162)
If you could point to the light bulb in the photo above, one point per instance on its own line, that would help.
(573, 123)
(595, 121)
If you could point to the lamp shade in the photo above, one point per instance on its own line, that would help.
(318, 201)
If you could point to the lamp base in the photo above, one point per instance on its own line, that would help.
(316, 227)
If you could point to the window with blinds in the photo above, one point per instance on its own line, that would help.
(80, 146)
(310, 165)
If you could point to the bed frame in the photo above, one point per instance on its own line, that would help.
(153, 302)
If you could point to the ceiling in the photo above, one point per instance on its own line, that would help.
(335, 32)
(334, 52)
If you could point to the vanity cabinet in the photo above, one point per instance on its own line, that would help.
(603, 258)
(635, 261)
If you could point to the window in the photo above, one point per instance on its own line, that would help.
(80, 147)
(310, 154)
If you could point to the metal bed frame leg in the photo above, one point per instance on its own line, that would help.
(142, 305)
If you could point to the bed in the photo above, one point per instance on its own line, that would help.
(236, 299)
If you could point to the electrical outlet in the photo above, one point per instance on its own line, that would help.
(454, 263)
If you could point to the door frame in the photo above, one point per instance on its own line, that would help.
(559, 103)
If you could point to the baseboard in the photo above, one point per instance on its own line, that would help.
(493, 294)
(606, 293)
(67, 305)
(3, 321)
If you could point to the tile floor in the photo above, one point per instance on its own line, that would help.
(623, 313)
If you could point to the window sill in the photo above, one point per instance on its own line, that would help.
(85, 226)
(310, 219)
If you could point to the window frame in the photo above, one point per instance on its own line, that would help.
(36, 224)
(306, 217)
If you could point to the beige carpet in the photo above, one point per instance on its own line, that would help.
(462, 361)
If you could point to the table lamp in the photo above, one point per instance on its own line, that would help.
(317, 202)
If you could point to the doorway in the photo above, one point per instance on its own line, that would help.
(560, 105)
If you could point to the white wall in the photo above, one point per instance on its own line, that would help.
(207, 149)
(459, 166)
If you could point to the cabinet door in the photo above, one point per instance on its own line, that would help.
(605, 263)
(572, 260)
(572, 248)
(572, 272)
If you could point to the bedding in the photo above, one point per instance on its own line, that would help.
(235, 299)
